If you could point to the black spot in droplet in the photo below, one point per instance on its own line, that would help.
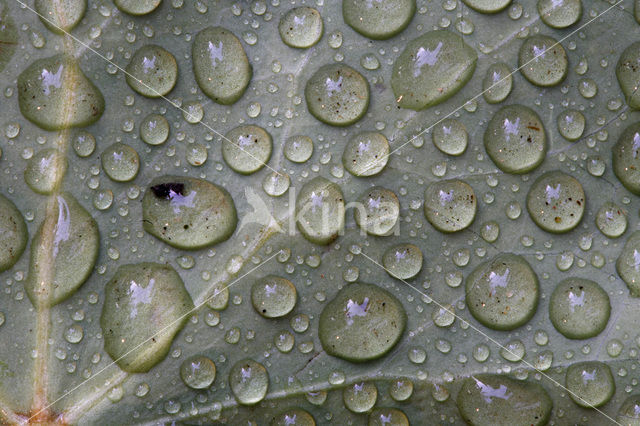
(164, 189)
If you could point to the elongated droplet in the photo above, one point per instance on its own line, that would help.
(145, 306)
(13, 234)
(320, 211)
(63, 252)
(62, 15)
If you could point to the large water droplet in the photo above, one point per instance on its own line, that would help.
(63, 252)
(560, 14)
(628, 264)
(590, 384)
(403, 261)
(360, 397)
(188, 213)
(450, 205)
(246, 149)
(378, 20)
(628, 74)
(487, 6)
(320, 211)
(579, 308)
(337, 95)
(273, 297)
(293, 417)
(515, 139)
(45, 171)
(301, 27)
(431, 69)
(120, 162)
(61, 16)
(137, 7)
(366, 154)
(154, 129)
(626, 157)
(543, 61)
(450, 136)
(503, 293)
(220, 65)
(361, 323)
(377, 211)
(488, 399)
(611, 220)
(54, 94)
(145, 306)
(198, 372)
(298, 148)
(249, 381)
(629, 411)
(497, 83)
(152, 71)
(556, 202)
(13, 234)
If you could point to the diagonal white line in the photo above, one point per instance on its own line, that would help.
(385, 157)
(183, 110)
(528, 364)
(182, 317)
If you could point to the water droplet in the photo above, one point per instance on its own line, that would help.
(503, 293)
(154, 129)
(490, 231)
(590, 384)
(487, 6)
(220, 65)
(192, 112)
(611, 220)
(514, 351)
(284, 341)
(450, 136)
(515, 139)
(369, 61)
(103, 199)
(628, 264)
(403, 261)
(13, 234)
(366, 154)
(137, 7)
(301, 27)
(249, 381)
(197, 154)
(543, 61)
(84, 144)
(360, 307)
(571, 124)
(626, 158)
(388, 416)
(320, 211)
(246, 149)
(579, 308)
(443, 316)
(63, 252)
(481, 352)
(74, 333)
(360, 397)
(377, 211)
(431, 69)
(145, 306)
(54, 93)
(62, 16)
(401, 389)
(120, 162)
(152, 71)
(556, 202)
(560, 14)
(337, 95)
(188, 213)
(450, 205)
(45, 171)
(488, 399)
(276, 184)
(295, 417)
(273, 297)
(378, 20)
(298, 149)
(497, 83)
(629, 411)
(198, 372)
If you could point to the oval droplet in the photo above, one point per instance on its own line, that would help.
(54, 94)
(377, 211)
(220, 65)
(626, 158)
(579, 308)
(137, 7)
(120, 162)
(503, 293)
(431, 69)
(13, 234)
(571, 124)
(63, 252)
(590, 384)
(198, 372)
(560, 14)
(249, 382)
(515, 139)
(152, 71)
(359, 307)
(450, 137)
(450, 205)
(320, 211)
(61, 16)
(628, 264)
(295, 417)
(188, 213)
(628, 74)
(543, 61)
(366, 154)
(337, 95)
(403, 261)
(154, 129)
(611, 220)
(273, 297)
(301, 27)
(145, 306)
(298, 148)
(629, 411)
(378, 20)
(497, 83)
(556, 202)
(487, 6)
(45, 171)
(247, 149)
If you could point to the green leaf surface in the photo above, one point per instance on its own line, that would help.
(53, 363)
